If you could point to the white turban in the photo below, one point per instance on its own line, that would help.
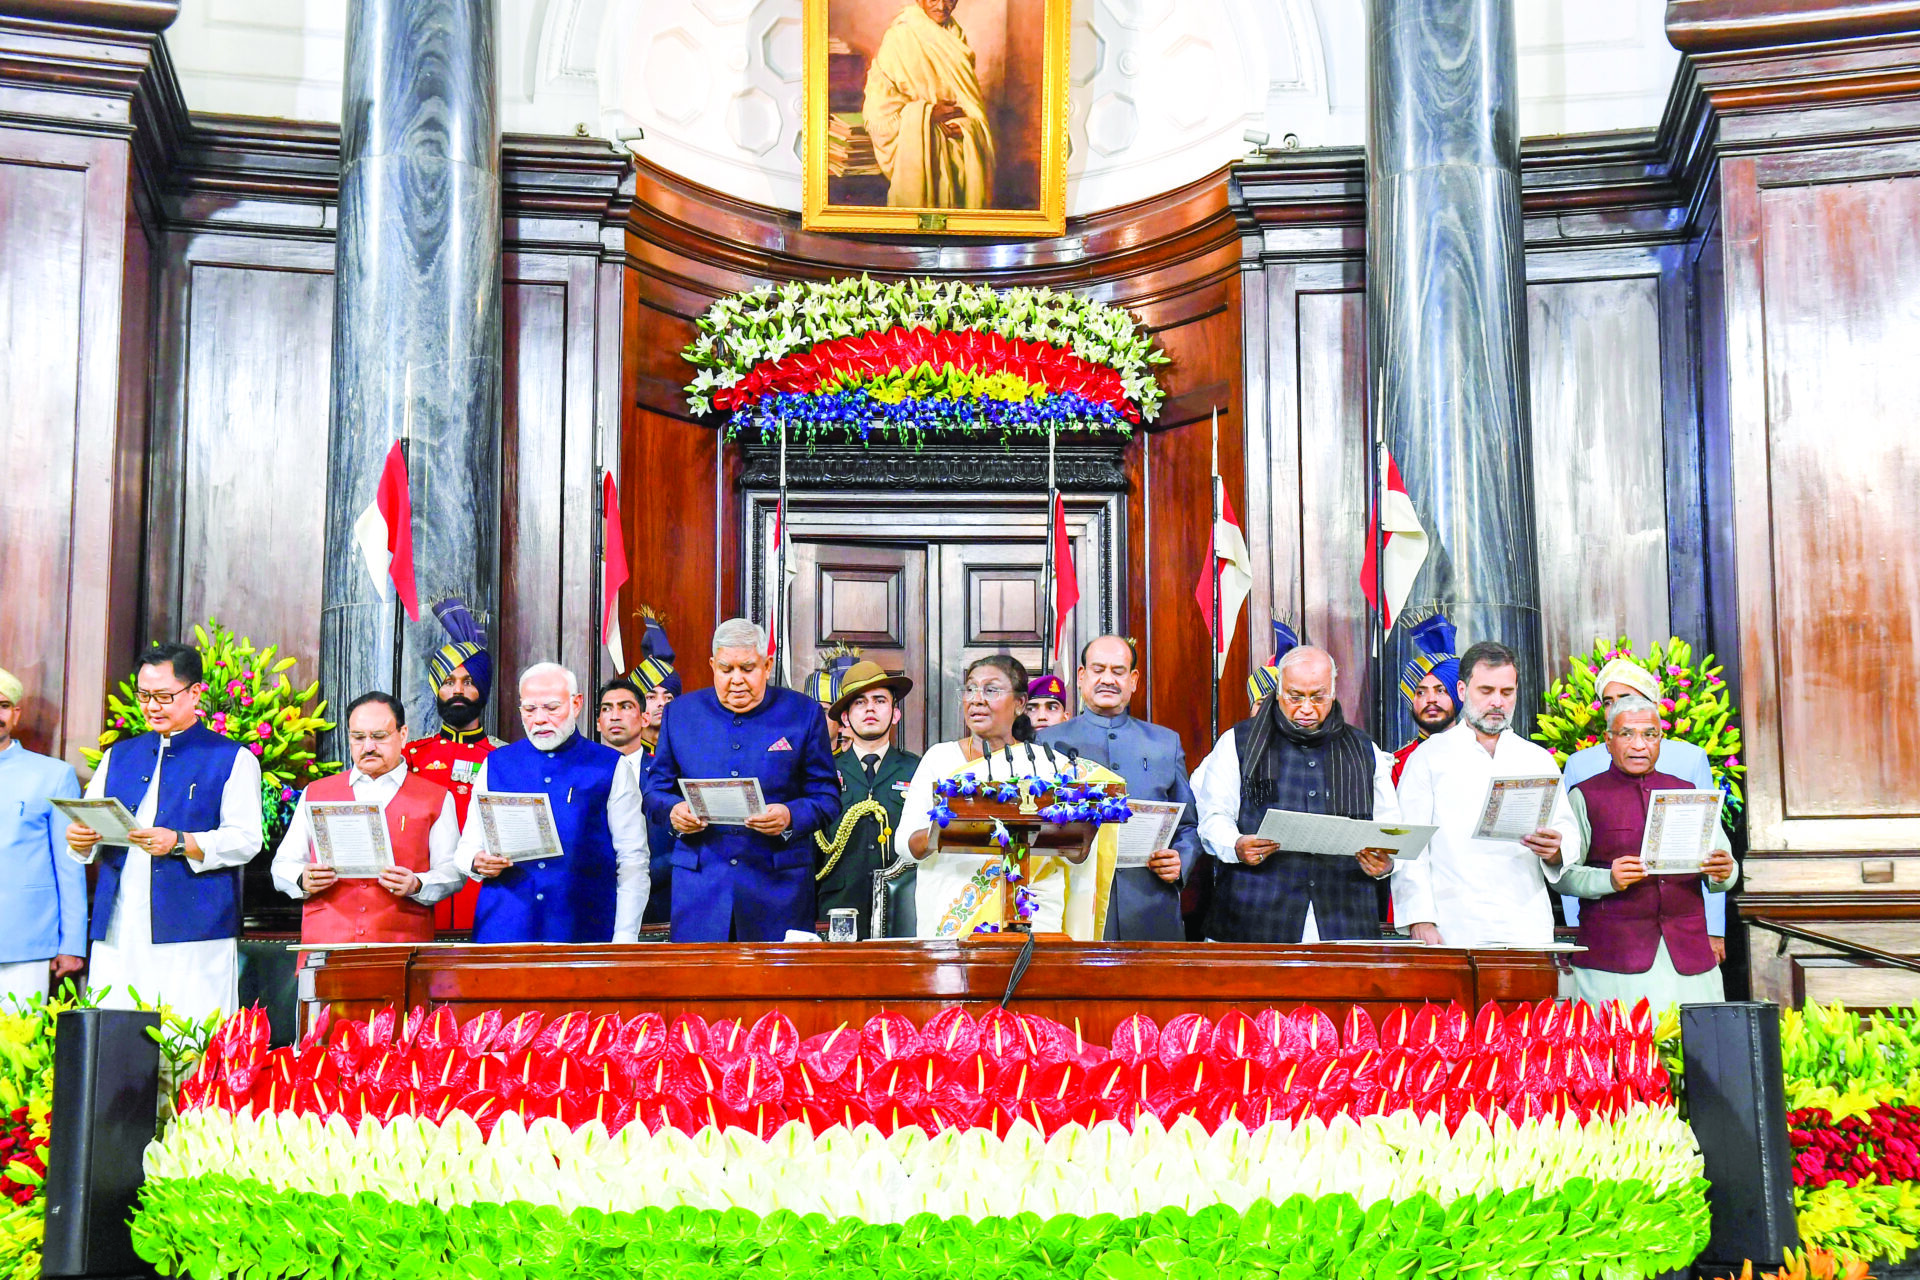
(1630, 673)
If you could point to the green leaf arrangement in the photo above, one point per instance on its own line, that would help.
(249, 699)
(217, 1227)
(1696, 706)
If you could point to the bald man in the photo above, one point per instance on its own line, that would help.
(1295, 752)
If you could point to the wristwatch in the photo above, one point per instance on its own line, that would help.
(179, 849)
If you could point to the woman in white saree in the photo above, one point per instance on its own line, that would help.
(956, 892)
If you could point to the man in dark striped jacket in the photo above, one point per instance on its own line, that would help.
(1295, 752)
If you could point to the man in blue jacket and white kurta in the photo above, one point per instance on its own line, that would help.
(43, 894)
(748, 883)
(166, 910)
(598, 891)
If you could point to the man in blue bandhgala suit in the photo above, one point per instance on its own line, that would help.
(166, 910)
(598, 891)
(747, 883)
(43, 892)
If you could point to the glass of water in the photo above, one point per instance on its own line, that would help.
(843, 925)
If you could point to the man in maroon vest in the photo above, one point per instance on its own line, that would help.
(421, 833)
(1645, 935)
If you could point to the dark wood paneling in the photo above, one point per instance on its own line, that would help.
(1097, 985)
(43, 209)
(64, 216)
(533, 468)
(253, 452)
(1841, 262)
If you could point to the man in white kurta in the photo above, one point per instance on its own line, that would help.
(192, 978)
(926, 114)
(1466, 892)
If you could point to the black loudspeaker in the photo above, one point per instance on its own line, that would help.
(106, 1094)
(1737, 1104)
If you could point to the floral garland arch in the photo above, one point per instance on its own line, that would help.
(856, 357)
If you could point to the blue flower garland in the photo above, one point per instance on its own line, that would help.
(856, 414)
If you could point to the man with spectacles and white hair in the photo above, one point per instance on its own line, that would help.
(166, 909)
(751, 882)
(1645, 935)
(1295, 752)
(597, 892)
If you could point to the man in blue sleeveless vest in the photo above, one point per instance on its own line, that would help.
(598, 891)
(754, 882)
(166, 911)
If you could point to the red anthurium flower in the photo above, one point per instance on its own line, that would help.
(1136, 1038)
(479, 1033)
(687, 1036)
(519, 1032)
(888, 1037)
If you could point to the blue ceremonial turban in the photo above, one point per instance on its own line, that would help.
(824, 685)
(1265, 682)
(1434, 638)
(656, 663)
(467, 648)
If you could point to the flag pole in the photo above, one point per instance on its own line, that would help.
(399, 606)
(785, 637)
(600, 586)
(1213, 571)
(1377, 484)
(1050, 640)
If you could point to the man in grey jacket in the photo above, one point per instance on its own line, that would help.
(1145, 904)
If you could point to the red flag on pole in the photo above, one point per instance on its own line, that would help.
(1401, 553)
(1229, 559)
(613, 573)
(384, 532)
(1066, 583)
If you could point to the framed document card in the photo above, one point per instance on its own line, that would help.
(518, 826)
(350, 838)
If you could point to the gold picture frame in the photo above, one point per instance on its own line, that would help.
(1020, 124)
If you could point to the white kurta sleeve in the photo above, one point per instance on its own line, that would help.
(914, 810)
(627, 822)
(295, 853)
(96, 788)
(1413, 881)
(1386, 801)
(443, 878)
(1216, 799)
(239, 835)
(472, 842)
(1572, 847)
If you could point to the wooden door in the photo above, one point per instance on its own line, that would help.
(992, 599)
(871, 596)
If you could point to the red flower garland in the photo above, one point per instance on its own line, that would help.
(899, 349)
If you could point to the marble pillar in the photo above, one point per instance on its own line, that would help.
(416, 336)
(1446, 313)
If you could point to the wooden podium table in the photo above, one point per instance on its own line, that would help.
(821, 985)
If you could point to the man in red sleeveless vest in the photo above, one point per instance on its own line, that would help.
(1645, 935)
(421, 833)
(460, 673)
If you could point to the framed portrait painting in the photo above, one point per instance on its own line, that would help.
(937, 116)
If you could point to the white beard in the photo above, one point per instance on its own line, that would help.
(552, 739)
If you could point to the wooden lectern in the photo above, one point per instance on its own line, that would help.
(971, 832)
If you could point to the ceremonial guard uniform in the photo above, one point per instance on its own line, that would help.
(452, 757)
(1434, 638)
(1143, 907)
(656, 674)
(732, 883)
(873, 786)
